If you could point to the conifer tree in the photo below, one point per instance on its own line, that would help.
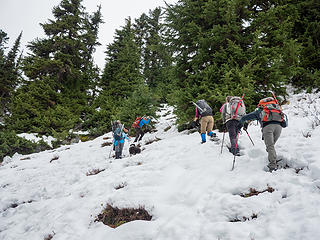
(9, 71)
(155, 57)
(211, 58)
(62, 63)
(121, 75)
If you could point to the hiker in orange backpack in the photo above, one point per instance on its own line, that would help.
(272, 120)
(137, 125)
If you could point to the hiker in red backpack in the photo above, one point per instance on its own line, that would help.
(137, 125)
(232, 111)
(204, 111)
(272, 120)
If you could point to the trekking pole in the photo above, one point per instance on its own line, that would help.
(222, 141)
(234, 158)
(111, 149)
(249, 137)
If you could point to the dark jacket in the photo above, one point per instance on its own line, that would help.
(256, 115)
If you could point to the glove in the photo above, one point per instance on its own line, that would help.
(194, 124)
(239, 126)
(224, 128)
(245, 126)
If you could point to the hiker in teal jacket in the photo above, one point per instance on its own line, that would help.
(118, 145)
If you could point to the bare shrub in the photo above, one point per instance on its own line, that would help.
(254, 192)
(121, 185)
(94, 171)
(114, 217)
(49, 236)
(243, 219)
(167, 129)
(106, 144)
(54, 159)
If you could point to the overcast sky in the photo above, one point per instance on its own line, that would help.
(25, 15)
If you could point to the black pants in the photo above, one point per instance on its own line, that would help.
(139, 134)
(232, 129)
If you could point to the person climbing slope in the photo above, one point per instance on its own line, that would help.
(272, 120)
(204, 112)
(232, 111)
(137, 125)
(119, 137)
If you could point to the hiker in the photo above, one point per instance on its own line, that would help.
(204, 111)
(271, 119)
(137, 125)
(119, 137)
(232, 110)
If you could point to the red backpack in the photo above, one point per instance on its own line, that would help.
(271, 110)
(136, 122)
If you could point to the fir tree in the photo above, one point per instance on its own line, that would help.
(9, 72)
(62, 64)
(121, 75)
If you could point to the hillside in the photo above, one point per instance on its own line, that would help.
(186, 186)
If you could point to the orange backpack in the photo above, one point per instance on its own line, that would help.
(271, 110)
(136, 122)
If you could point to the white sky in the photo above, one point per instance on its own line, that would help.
(26, 16)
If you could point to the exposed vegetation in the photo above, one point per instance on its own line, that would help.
(114, 217)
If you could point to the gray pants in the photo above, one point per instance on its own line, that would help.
(271, 134)
(232, 129)
(118, 149)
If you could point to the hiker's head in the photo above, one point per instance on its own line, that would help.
(228, 98)
(118, 122)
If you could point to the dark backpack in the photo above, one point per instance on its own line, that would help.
(133, 150)
(136, 122)
(203, 108)
(117, 130)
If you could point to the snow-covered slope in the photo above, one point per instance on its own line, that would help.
(186, 186)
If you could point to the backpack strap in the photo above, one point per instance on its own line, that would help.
(235, 113)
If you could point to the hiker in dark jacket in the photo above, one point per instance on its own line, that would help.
(271, 131)
(204, 111)
(138, 128)
(231, 125)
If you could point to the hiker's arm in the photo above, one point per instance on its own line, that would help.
(146, 121)
(197, 115)
(251, 116)
(223, 111)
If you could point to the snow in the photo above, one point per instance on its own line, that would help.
(34, 138)
(186, 186)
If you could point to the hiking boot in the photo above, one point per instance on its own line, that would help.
(203, 142)
(273, 169)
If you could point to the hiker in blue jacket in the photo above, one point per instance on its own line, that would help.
(138, 128)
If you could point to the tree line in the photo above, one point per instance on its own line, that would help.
(186, 51)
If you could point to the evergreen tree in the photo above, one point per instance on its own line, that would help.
(155, 53)
(9, 71)
(306, 31)
(211, 58)
(62, 64)
(121, 75)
